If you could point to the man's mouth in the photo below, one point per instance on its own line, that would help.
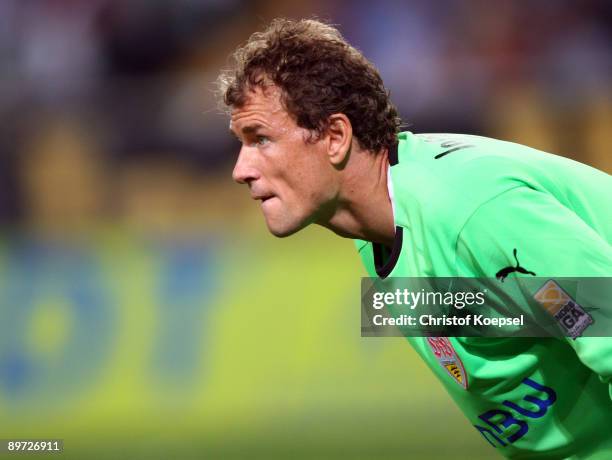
(262, 198)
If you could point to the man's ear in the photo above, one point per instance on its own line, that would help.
(339, 139)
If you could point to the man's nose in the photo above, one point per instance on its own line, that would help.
(244, 169)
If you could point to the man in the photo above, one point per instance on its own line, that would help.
(320, 144)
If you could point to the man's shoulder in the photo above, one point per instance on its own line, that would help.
(460, 157)
(444, 178)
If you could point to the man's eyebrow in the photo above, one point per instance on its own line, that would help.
(246, 130)
(250, 129)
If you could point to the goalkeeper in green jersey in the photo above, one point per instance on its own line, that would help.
(321, 144)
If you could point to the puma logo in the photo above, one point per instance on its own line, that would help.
(504, 272)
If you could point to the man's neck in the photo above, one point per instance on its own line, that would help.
(364, 209)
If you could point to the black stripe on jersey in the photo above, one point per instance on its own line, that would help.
(384, 267)
(440, 155)
(393, 157)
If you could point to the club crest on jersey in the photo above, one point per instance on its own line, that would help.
(446, 355)
(568, 313)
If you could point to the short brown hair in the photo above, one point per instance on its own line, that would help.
(319, 74)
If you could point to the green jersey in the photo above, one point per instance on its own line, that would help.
(466, 206)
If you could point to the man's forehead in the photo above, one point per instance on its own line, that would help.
(269, 95)
(259, 102)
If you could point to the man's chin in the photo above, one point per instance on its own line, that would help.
(282, 230)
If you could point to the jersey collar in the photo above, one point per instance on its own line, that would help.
(384, 265)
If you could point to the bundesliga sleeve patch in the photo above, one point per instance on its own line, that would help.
(446, 355)
(569, 314)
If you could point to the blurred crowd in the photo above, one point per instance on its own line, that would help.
(108, 109)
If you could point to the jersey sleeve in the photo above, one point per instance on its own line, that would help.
(550, 241)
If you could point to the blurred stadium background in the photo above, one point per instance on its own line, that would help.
(144, 310)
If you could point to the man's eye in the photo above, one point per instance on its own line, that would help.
(261, 140)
